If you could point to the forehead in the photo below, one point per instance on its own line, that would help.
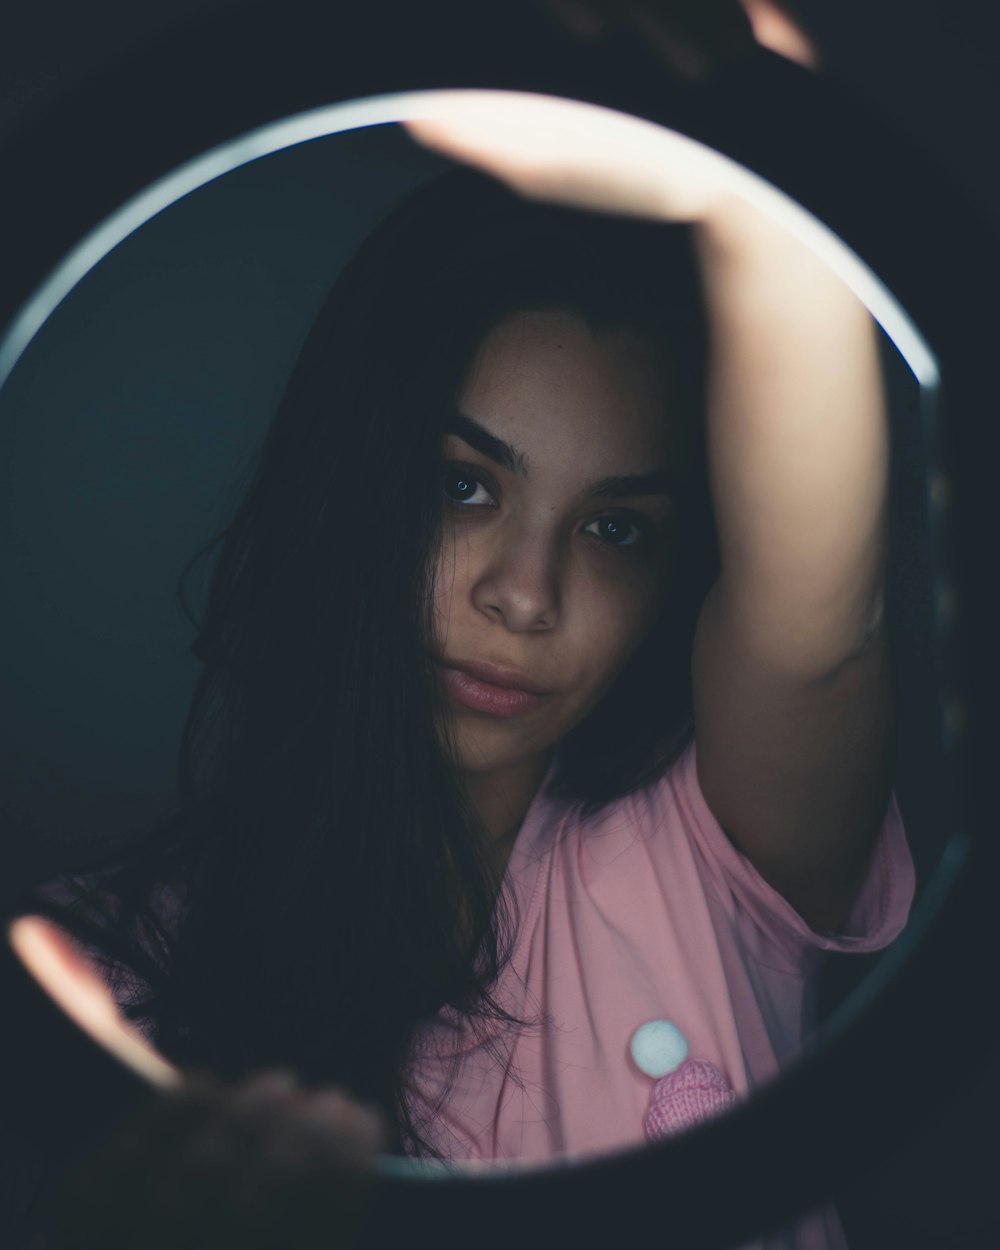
(552, 386)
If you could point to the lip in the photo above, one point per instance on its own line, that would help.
(496, 675)
(491, 689)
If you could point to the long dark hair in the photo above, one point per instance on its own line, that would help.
(322, 888)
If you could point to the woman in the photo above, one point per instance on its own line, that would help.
(464, 628)
(322, 712)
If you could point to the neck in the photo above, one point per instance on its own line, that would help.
(501, 798)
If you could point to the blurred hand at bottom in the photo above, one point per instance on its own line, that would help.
(262, 1165)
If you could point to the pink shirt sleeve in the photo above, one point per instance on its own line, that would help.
(769, 925)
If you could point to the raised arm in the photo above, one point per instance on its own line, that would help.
(793, 708)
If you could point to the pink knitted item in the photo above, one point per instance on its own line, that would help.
(694, 1091)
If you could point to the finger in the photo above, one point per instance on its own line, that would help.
(354, 1132)
(274, 1082)
(73, 980)
(689, 37)
(692, 37)
(363, 1125)
(773, 28)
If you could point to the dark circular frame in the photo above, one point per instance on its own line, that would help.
(859, 1095)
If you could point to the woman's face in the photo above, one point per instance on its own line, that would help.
(560, 515)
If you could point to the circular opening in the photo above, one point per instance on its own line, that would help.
(905, 350)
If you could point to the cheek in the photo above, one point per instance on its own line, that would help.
(632, 601)
(650, 596)
(619, 621)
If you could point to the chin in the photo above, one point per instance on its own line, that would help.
(479, 752)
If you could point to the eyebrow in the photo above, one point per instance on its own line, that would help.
(487, 444)
(658, 482)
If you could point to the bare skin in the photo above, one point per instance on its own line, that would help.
(532, 576)
(792, 697)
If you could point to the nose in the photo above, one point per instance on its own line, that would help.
(518, 584)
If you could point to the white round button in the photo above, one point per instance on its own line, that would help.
(658, 1047)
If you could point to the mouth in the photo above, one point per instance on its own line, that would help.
(496, 675)
(491, 689)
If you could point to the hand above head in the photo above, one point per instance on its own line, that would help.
(582, 156)
(691, 37)
(572, 154)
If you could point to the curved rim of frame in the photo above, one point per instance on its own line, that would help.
(865, 1066)
(333, 119)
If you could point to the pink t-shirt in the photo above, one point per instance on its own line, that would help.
(645, 911)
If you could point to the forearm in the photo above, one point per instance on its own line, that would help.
(797, 443)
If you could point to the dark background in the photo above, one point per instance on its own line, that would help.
(126, 431)
(931, 65)
(934, 69)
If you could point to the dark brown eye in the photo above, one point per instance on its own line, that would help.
(617, 531)
(463, 487)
